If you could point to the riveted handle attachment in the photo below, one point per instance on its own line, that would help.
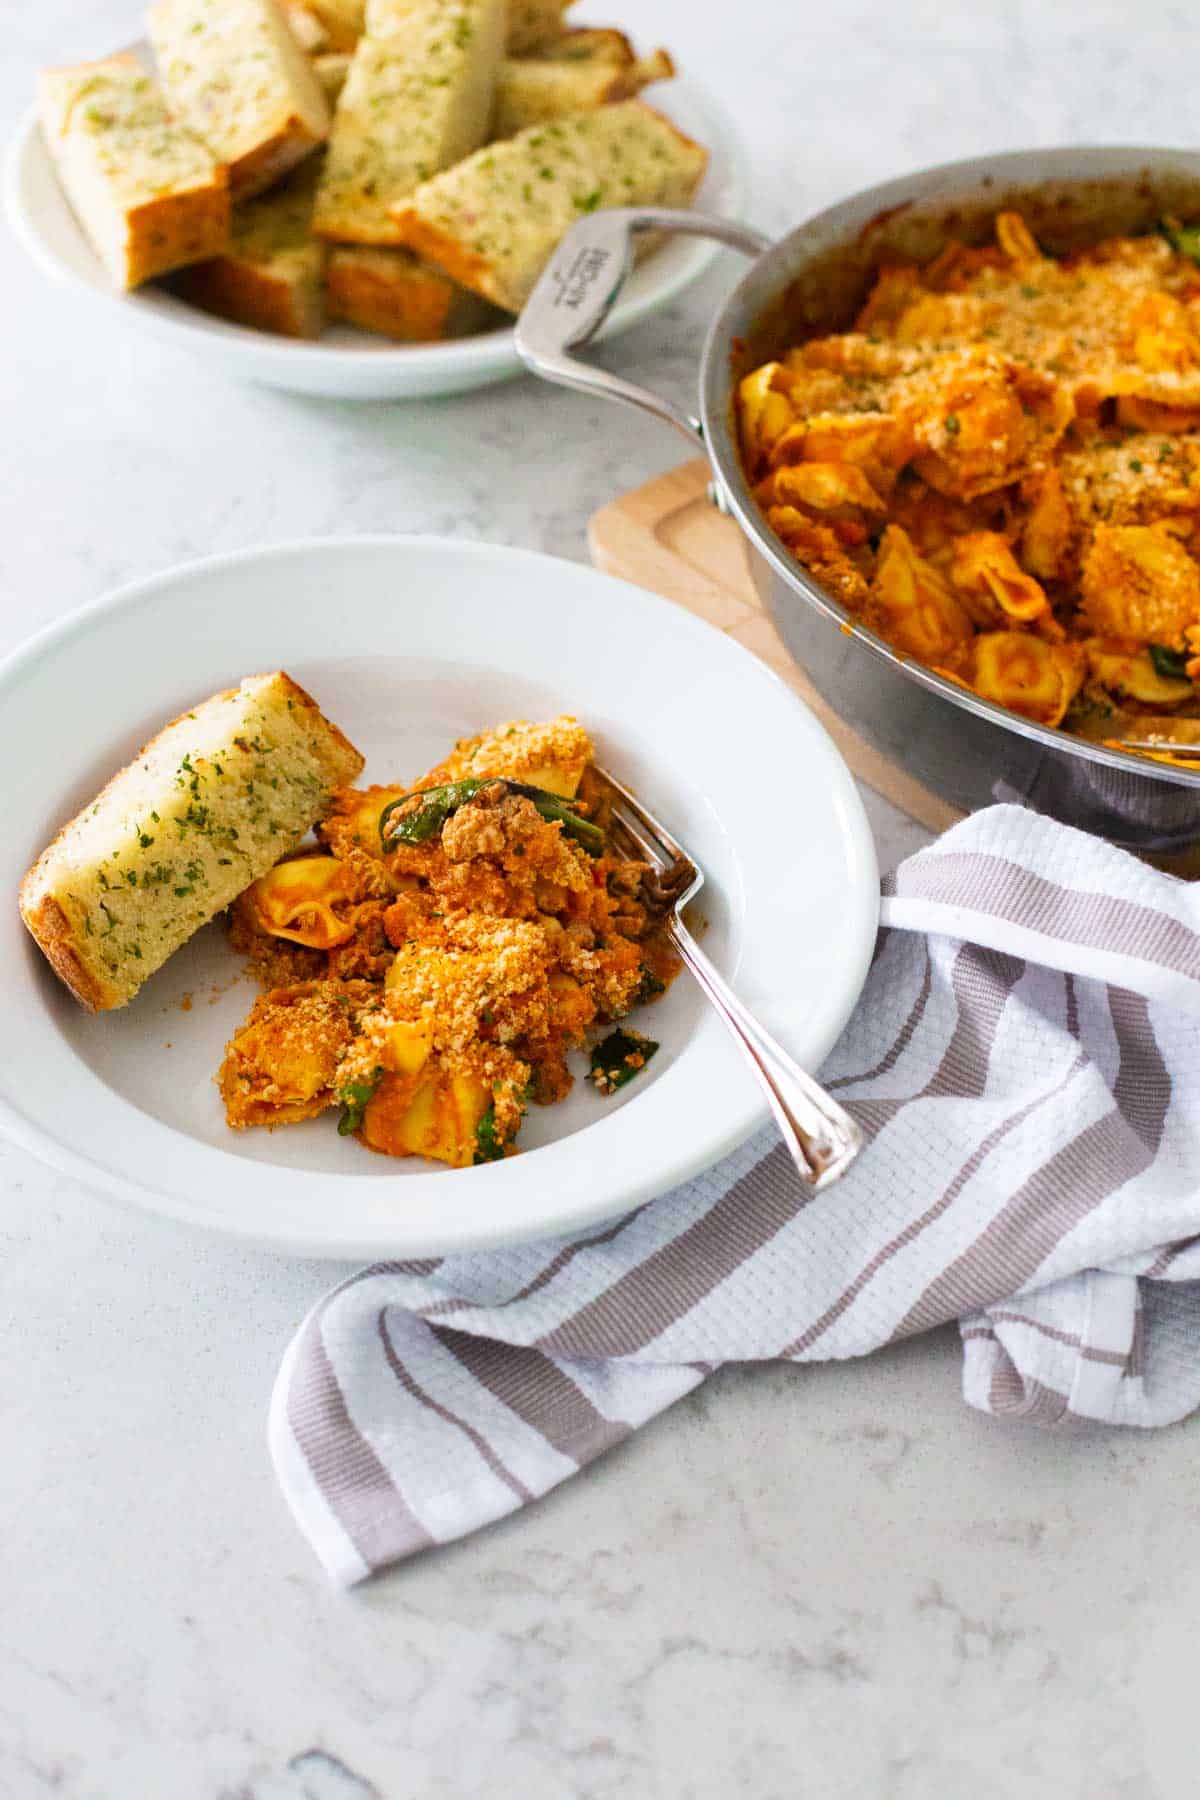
(579, 285)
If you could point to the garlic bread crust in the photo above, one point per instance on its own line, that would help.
(204, 809)
(395, 293)
(148, 193)
(272, 275)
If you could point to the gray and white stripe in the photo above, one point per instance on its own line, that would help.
(1026, 1061)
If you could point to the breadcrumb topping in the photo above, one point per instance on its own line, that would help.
(282, 1064)
(520, 750)
(998, 471)
(477, 960)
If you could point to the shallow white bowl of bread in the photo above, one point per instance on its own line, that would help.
(347, 364)
(408, 643)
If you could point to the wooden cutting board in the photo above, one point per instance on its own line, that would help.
(667, 537)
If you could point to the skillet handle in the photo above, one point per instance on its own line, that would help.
(579, 285)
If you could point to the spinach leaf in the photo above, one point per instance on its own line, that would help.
(648, 987)
(488, 1147)
(355, 1097)
(403, 823)
(619, 1058)
(1183, 239)
(1170, 664)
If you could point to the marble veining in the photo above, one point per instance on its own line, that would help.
(828, 1583)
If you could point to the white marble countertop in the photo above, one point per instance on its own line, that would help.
(820, 1582)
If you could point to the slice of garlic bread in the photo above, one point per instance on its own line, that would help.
(493, 221)
(582, 69)
(204, 809)
(415, 101)
(530, 91)
(394, 292)
(272, 275)
(147, 192)
(234, 73)
(528, 24)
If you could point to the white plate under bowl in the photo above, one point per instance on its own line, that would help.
(409, 643)
(347, 364)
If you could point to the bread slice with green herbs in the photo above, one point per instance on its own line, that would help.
(272, 275)
(579, 70)
(148, 193)
(528, 23)
(204, 809)
(234, 73)
(394, 292)
(493, 221)
(415, 101)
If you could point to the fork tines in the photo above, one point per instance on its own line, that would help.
(652, 840)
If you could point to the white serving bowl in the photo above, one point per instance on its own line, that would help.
(347, 364)
(409, 643)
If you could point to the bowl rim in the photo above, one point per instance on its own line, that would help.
(954, 180)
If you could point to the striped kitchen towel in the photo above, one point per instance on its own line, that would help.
(1025, 1061)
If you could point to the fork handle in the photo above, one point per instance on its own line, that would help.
(822, 1137)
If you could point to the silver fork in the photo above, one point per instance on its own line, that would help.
(823, 1139)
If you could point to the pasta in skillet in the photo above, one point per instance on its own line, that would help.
(998, 471)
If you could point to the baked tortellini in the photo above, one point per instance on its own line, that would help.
(432, 965)
(997, 470)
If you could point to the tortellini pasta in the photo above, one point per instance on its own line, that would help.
(997, 470)
(298, 900)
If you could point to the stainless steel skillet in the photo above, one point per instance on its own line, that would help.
(966, 749)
